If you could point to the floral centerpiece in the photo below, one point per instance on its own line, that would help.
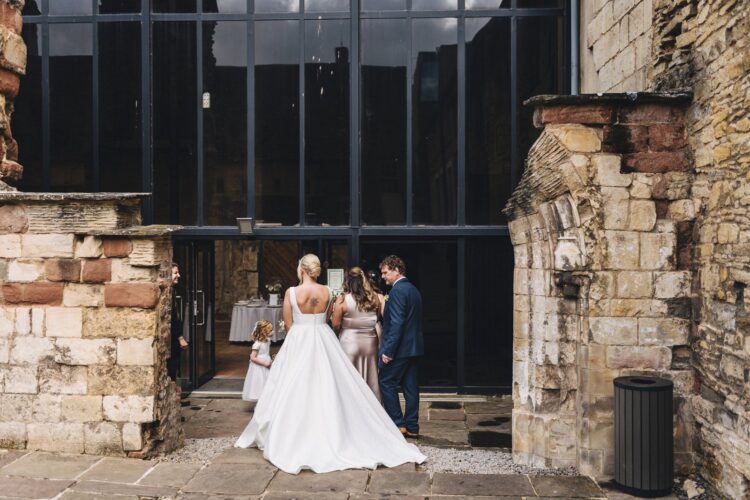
(274, 288)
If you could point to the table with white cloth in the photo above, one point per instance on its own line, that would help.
(245, 316)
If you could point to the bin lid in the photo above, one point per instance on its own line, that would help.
(643, 383)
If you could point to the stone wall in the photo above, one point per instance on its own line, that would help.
(236, 274)
(12, 66)
(600, 224)
(84, 327)
(705, 45)
(615, 45)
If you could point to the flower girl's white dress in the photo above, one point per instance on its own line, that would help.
(316, 412)
(257, 375)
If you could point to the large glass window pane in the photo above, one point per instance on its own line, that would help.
(327, 122)
(327, 5)
(431, 265)
(373, 5)
(434, 4)
(27, 117)
(70, 7)
(276, 6)
(225, 121)
(173, 5)
(174, 101)
(539, 3)
(487, 4)
(540, 70)
(487, 119)
(277, 122)
(384, 47)
(225, 6)
(434, 115)
(120, 156)
(119, 6)
(70, 87)
(489, 312)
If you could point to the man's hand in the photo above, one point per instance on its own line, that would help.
(183, 342)
(386, 359)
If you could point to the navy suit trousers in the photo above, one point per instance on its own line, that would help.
(403, 372)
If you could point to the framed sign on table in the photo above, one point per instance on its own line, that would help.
(336, 279)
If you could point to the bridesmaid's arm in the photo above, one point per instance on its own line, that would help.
(339, 308)
(287, 310)
(381, 299)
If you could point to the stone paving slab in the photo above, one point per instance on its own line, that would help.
(10, 456)
(220, 421)
(21, 487)
(333, 482)
(481, 484)
(287, 495)
(169, 474)
(117, 470)
(444, 433)
(498, 408)
(614, 494)
(202, 496)
(566, 486)
(77, 495)
(50, 466)
(373, 496)
(241, 456)
(474, 419)
(103, 488)
(387, 482)
(231, 479)
(458, 415)
(230, 405)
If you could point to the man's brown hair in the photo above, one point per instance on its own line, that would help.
(394, 262)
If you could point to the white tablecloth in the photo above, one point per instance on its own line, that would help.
(244, 318)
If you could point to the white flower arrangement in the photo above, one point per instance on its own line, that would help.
(274, 286)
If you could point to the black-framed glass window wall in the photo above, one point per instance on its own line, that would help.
(319, 113)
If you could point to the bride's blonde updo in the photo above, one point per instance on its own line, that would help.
(310, 265)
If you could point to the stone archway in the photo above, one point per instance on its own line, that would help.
(599, 289)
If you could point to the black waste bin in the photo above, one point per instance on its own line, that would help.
(644, 461)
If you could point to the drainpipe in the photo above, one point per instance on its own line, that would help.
(574, 47)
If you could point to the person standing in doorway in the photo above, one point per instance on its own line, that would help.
(178, 342)
(403, 343)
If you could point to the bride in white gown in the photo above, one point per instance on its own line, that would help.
(316, 412)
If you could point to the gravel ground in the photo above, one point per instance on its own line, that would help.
(468, 461)
(200, 450)
(474, 461)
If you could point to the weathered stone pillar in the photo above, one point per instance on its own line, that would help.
(601, 224)
(84, 326)
(12, 66)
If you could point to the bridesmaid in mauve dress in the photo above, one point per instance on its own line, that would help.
(356, 314)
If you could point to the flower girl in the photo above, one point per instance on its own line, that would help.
(260, 361)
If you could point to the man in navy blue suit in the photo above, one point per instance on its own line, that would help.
(402, 344)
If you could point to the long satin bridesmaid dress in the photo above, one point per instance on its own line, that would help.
(359, 339)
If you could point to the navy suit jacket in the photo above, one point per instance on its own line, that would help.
(402, 322)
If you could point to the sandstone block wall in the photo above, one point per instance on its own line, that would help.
(84, 327)
(600, 224)
(705, 45)
(615, 41)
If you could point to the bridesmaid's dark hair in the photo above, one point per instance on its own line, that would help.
(358, 285)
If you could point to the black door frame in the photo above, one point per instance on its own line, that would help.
(199, 303)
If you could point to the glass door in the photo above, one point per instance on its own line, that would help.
(196, 292)
(202, 318)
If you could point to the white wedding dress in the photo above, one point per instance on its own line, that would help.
(316, 412)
